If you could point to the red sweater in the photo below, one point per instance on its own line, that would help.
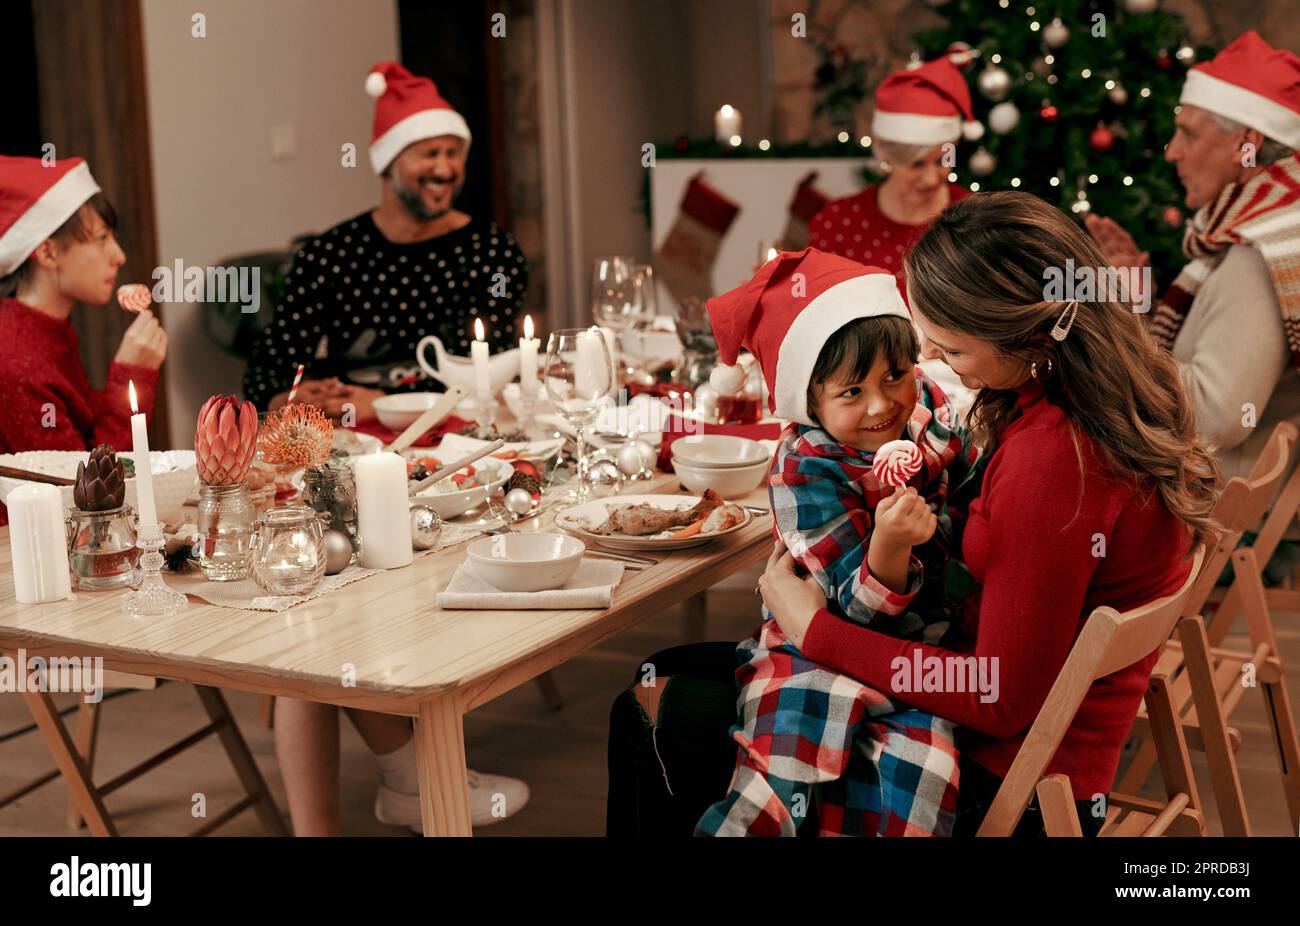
(1032, 552)
(48, 403)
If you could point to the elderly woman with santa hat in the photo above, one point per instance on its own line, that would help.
(920, 115)
(58, 249)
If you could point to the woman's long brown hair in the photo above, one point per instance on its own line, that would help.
(980, 270)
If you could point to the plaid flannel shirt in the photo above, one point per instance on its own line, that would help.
(877, 766)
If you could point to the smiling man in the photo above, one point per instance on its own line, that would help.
(359, 297)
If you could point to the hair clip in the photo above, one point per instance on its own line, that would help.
(1062, 327)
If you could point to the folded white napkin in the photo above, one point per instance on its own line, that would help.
(592, 586)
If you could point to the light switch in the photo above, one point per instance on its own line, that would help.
(284, 142)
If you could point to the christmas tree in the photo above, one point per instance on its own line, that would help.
(1078, 103)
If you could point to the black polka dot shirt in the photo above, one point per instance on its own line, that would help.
(355, 300)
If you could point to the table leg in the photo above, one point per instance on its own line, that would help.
(695, 615)
(440, 759)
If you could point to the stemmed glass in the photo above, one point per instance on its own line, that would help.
(612, 283)
(579, 379)
(643, 313)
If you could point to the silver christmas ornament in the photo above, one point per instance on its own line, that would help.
(1004, 117)
(1056, 33)
(426, 527)
(994, 82)
(982, 163)
(629, 459)
(603, 477)
(649, 454)
(519, 501)
(1185, 54)
(338, 552)
(1118, 95)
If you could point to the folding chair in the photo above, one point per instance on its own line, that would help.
(1207, 680)
(74, 759)
(1108, 642)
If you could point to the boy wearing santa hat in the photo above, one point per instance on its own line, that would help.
(862, 488)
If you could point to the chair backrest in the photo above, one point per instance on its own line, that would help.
(1239, 508)
(1108, 642)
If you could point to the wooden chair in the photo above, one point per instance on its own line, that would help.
(74, 759)
(1108, 642)
(1207, 680)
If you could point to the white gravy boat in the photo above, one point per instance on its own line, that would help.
(459, 371)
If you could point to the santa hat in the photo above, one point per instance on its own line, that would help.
(787, 313)
(407, 109)
(928, 105)
(1253, 83)
(35, 200)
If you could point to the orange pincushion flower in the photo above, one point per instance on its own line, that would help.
(297, 435)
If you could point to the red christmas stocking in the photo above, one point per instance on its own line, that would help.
(685, 260)
(806, 203)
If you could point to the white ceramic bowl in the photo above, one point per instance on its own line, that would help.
(719, 451)
(175, 478)
(731, 482)
(452, 504)
(526, 562)
(397, 412)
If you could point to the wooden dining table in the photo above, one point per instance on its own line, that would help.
(380, 643)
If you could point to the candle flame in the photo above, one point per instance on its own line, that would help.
(528, 327)
(727, 110)
(130, 386)
(478, 329)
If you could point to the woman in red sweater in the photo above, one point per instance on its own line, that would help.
(1095, 491)
(58, 249)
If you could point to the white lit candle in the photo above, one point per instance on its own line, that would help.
(726, 124)
(611, 342)
(479, 353)
(39, 544)
(383, 512)
(148, 513)
(590, 368)
(528, 358)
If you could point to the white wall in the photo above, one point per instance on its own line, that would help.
(212, 104)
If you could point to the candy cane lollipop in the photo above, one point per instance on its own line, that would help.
(897, 462)
(134, 297)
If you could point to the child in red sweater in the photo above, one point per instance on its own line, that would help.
(57, 248)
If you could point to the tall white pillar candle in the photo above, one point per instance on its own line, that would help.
(528, 358)
(479, 354)
(591, 369)
(39, 544)
(148, 513)
(383, 511)
(611, 342)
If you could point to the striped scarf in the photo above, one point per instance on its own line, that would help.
(1263, 212)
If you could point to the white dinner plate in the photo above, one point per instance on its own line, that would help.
(579, 520)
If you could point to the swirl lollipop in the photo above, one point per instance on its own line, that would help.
(896, 462)
(134, 297)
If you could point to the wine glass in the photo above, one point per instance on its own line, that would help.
(579, 379)
(612, 281)
(643, 314)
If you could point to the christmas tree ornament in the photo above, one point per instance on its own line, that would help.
(1163, 61)
(603, 478)
(529, 482)
(1139, 6)
(338, 547)
(1118, 95)
(1049, 112)
(1101, 138)
(994, 83)
(1173, 216)
(519, 502)
(961, 54)
(1004, 117)
(1185, 54)
(982, 163)
(1041, 66)
(629, 459)
(1056, 33)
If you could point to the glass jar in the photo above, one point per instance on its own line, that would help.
(331, 491)
(101, 548)
(224, 547)
(288, 551)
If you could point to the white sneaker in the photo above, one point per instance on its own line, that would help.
(492, 798)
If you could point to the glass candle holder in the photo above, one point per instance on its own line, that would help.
(101, 548)
(288, 551)
(225, 546)
(331, 491)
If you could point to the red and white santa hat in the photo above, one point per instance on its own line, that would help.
(35, 200)
(1253, 83)
(928, 105)
(787, 313)
(407, 109)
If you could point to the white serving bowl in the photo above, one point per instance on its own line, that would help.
(174, 475)
(719, 451)
(729, 482)
(526, 562)
(450, 504)
(397, 412)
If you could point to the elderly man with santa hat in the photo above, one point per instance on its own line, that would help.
(362, 295)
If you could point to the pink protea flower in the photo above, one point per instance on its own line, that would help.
(225, 440)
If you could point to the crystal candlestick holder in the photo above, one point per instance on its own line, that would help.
(153, 598)
(485, 409)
